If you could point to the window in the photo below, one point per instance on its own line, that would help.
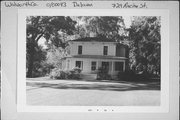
(105, 50)
(80, 49)
(79, 64)
(93, 66)
(119, 66)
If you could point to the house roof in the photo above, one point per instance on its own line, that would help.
(97, 57)
(93, 39)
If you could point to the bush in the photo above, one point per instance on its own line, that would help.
(46, 68)
(127, 76)
(132, 76)
(76, 70)
(102, 74)
(73, 75)
(143, 76)
(36, 74)
(60, 74)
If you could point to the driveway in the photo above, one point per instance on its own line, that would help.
(45, 91)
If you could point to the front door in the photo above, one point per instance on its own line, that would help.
(105, 65)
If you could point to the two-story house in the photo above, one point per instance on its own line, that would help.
(91, 53)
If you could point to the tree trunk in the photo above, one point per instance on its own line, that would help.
(30, 51)
(30, 66)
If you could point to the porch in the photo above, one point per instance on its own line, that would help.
(91, 65)
(112, 67)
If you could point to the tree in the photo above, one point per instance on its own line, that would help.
(145, 37)
(101, 26)
(47, 27)
(55, 55)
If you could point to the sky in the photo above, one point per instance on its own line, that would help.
(127, 21)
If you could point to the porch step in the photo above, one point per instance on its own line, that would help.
(89, 76)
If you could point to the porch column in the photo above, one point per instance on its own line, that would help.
(124, 66)
(112, 67)
(97, 65)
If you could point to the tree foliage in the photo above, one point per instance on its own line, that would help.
(55, 55)
(144, 36)
(47, 27)
(106, 26)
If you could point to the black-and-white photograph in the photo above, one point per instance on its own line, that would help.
(93, 60)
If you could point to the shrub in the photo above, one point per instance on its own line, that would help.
(73, 75)
(132, 76)
(76, 70)
(127, 76)
(46, 68)
(36, 74)
(60, 74)
(102, 74)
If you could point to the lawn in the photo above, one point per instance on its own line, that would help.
(45, 91)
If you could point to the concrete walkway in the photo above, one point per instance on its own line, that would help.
(44, 91)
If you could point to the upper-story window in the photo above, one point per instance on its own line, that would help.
(105, 50)
(80, 49)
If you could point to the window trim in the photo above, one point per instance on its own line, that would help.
(81, 64)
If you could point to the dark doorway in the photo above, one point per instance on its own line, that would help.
(119, 66)
(105, 65)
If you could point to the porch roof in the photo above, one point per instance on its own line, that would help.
(98, 57)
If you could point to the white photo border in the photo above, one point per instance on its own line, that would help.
(21, 59)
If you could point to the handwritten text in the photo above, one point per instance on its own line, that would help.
(129, 5)
(20, 4)
(56, 4)
(81, 4)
